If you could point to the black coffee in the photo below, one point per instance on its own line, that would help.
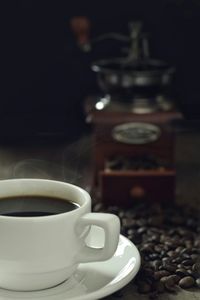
(35, 206)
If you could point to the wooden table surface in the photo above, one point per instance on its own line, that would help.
(71, 163)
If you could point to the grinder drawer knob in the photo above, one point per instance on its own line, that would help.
(137, 191)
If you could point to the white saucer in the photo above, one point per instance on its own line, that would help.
(92, 280)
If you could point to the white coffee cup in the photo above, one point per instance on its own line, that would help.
(41, 252)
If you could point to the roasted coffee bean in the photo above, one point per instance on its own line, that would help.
(189, 244)
(146, 258)
(130, 231)
(197, 244)
(177, 260)
(130, 237)
(180, 266)
(156, 264)
(164, 279)
(161, 268)
(181, 272)
(172, 254)
(163, 238)
(185, 251)
(157, 230)
(179, 249)
(129, 223)
(147, 248)
(196, 251)
(146, 272)
(185, 256)
(184, 232)
(194, 274)
(169, 244)
(187, 267)
(162, 254)
(170, 280)
(158, 248)
(169, 283)
(198, 282)
(154, 238)
(187, 262)
(172, 231)
(141, 222)
(159, 274)
(170, 267)
(142, 230)
(116, 163)
(166, 247)
(153, 256)
(166, 260)
(121, 214)
(174, 278)
(135, 238)
(196, 267)
(187, 282)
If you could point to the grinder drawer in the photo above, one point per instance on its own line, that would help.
(123, 187)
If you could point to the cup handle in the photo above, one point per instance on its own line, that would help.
(111, 226)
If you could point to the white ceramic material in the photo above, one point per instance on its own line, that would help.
(91, 280)
(41, 252)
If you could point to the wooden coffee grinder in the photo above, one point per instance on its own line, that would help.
(133, 150)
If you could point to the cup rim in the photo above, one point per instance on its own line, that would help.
(83, 202)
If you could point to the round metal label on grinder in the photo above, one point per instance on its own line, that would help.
(136, 133)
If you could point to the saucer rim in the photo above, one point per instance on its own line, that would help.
(110, 288)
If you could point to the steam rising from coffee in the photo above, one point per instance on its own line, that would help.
(70, 164)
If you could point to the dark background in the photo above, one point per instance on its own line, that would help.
(45, 76)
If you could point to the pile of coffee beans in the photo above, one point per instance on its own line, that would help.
(168, 239)
(136, 163)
